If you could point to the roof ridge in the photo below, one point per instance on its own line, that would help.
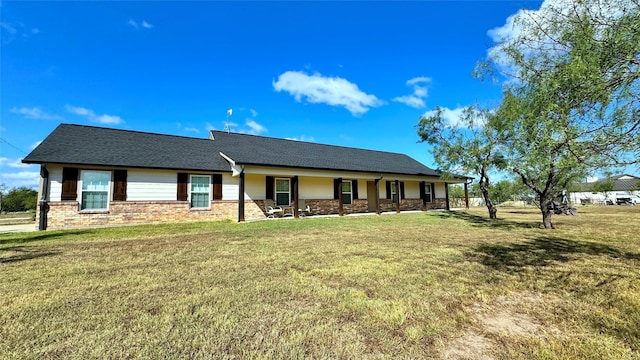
(310, 142)
(133, 131)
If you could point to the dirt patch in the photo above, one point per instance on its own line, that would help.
(504, 317)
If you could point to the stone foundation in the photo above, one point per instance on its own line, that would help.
(65, 214)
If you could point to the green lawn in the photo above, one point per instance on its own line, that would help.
(425, 285)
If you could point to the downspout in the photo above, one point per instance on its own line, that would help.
(44, 205)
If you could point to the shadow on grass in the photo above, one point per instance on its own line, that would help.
(540, 252)
(26, 237)
(21, 253)
(478, 220)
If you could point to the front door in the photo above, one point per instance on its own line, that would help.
(371, 196)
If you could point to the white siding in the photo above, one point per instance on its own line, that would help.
(230, 187)
(55, 183)
(440, 191)
(411, 190)
(151, 185)
(316, 188)
(254, 187)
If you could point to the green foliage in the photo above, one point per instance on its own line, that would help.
(466, 146)
(20, 199)
(572, 98)
(602, 186)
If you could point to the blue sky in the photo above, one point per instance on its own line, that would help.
(355, 74)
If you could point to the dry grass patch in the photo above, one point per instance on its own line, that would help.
(406, 286)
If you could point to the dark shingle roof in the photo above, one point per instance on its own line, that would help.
(88, 145)
(631, 183)
(260, 150)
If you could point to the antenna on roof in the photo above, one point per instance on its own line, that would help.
(226, 124)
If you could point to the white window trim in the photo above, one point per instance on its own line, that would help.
(190, 198)
(394, 191)
(428, 186)
(276, 192)
(81, 185)
(342, 192)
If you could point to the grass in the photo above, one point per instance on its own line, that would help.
(426, 285)
(17, 218)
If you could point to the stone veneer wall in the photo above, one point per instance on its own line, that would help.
(65, 214)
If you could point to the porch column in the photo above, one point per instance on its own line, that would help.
(295, 198)
(340, 206)
(446, 195)
(397, 196)
(241, 198)
(377, 183)
(466, 196)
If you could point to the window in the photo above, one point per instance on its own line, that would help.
(394, 192)
(282, 192)
(95, 190)
(346, 192)
(200, 186)
(427, 192)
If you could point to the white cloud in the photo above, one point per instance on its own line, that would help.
(453, 117)
(92, 116)
(10, 29)
(35, 144)
(29, 179)
(253, 113)
(137, 25)
(516, 25)
(34, 113)
(208, 126)
(191, 129)
(415, 100)
(255, 128)
(333, 91)
(13, 163)
(303, 138)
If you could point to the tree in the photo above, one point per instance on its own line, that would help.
(466, 148)
(20, 199)
(604, 187)
(571, 98)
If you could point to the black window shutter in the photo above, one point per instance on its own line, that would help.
(401, 189)
(270, 188)
(433, 192)
(388, 188)
(183, 181)
(337, 188)
(120, 185)
(354, 188)
(216, 181)
(69, 183)
(423, 194)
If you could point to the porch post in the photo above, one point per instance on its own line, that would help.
(446, 195)
(397, 196)
(340, 206)
(377, 184)
(241, 198)
(466, 196)
(295, 197)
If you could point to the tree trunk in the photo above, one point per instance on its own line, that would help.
(546, 207)
(483, 184)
